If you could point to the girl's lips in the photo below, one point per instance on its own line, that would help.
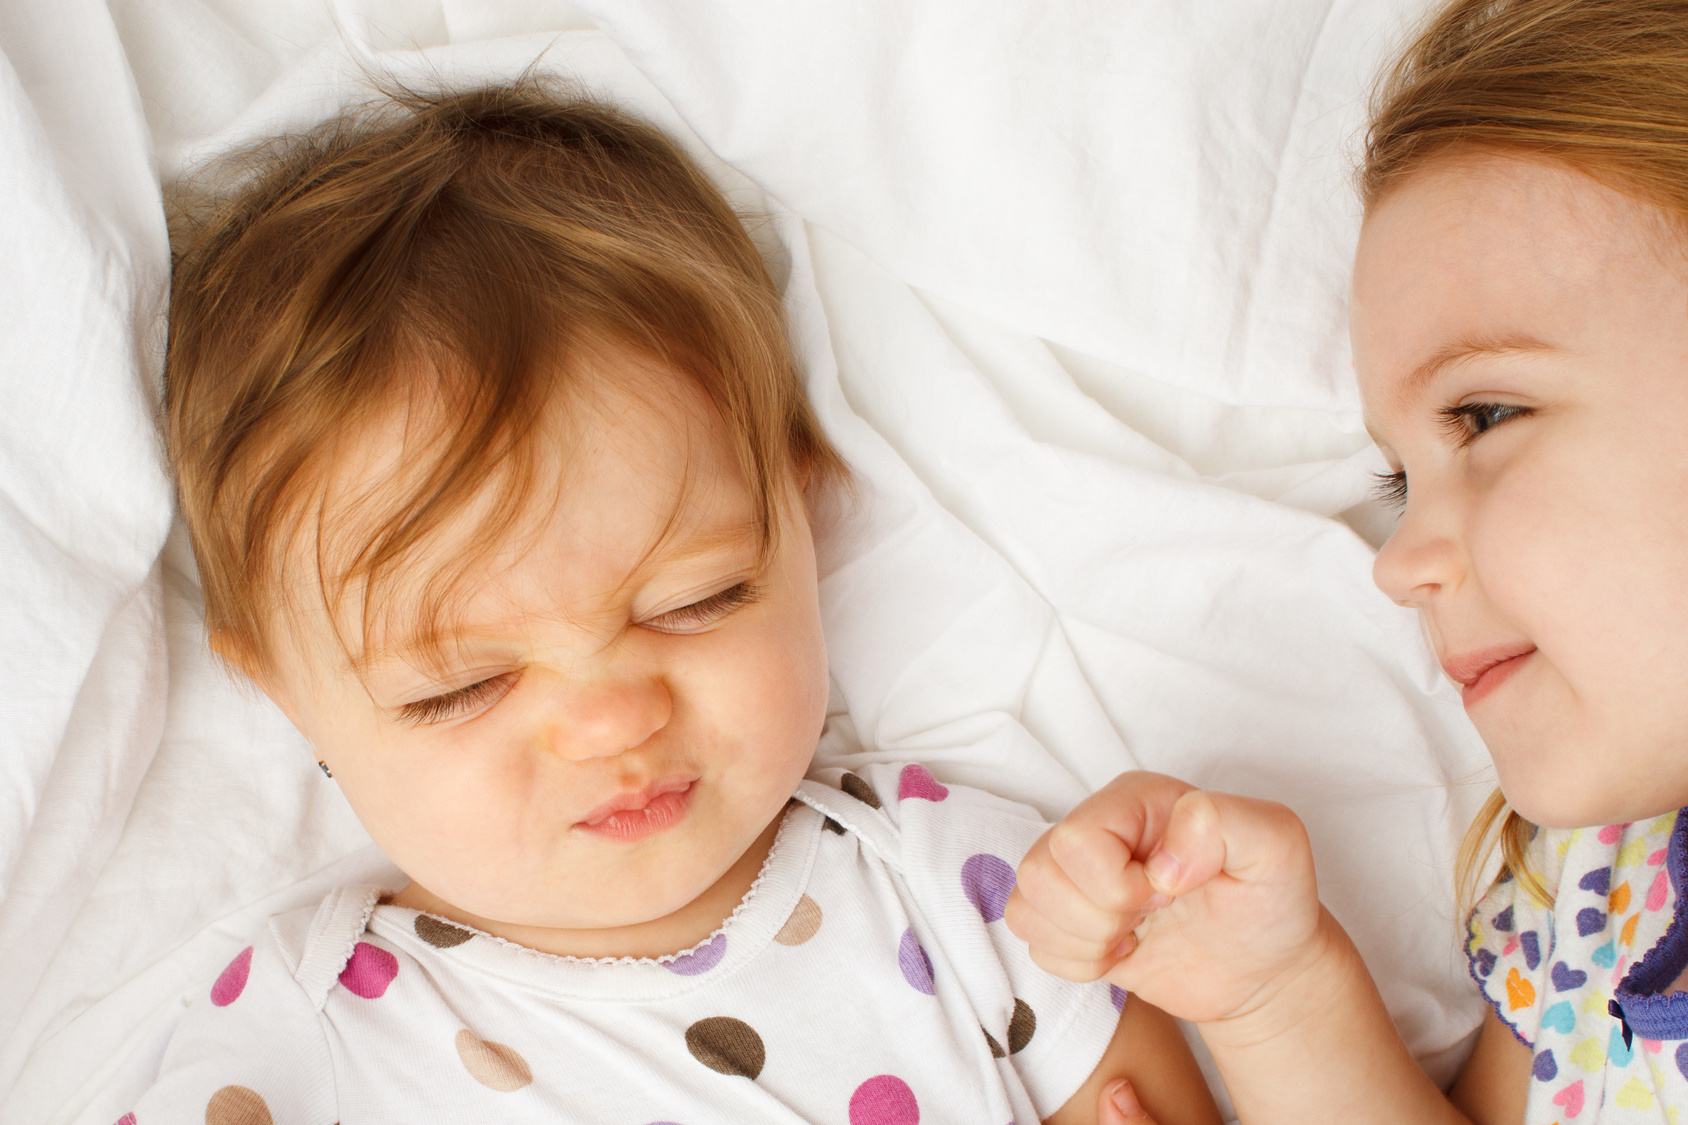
(1480, 673)
(641, 813)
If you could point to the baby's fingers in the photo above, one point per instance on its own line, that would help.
(1252, 841)
(1044, 887)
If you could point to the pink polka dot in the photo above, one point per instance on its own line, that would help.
(915, 781)
(884, 1100)
(231, 982)
(369, 970)
(1610, 834)
(126, 1119)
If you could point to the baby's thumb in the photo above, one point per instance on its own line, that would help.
(1206, 833)
(1120, 1106)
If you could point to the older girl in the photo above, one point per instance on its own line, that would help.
(1520, 328)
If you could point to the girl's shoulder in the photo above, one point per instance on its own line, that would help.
(1547, 952)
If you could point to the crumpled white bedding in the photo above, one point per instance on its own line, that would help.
(1067, 282)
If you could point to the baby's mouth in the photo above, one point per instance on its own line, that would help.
(641, 813)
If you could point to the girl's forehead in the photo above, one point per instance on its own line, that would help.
(1495, 256)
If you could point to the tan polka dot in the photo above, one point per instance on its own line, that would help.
(1021, 1027)
(492, 1064)
(996, 1048)
(726, 1045)
(440, 935)
(803, 924)
(859, 789)
(237, 1105)
(834, 826)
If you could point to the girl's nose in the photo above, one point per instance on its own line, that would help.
(1418, 562)
(604, 719)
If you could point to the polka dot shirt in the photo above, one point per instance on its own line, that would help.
(1584, 982)
(866, 979)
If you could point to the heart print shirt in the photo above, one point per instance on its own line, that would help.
(1582, 982)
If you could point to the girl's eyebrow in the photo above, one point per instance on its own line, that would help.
(1461, 351)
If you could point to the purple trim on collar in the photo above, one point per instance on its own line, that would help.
(1643, 1010)
(1495, 1005)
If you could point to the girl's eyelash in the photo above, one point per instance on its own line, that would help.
(709, 609)
(453, 703)
(1471, 420)
(1390, 489)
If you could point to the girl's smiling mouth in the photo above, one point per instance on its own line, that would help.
(1480, 673)
(641, 813)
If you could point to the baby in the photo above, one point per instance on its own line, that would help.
(498, 474)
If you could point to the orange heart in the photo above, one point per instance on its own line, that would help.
(1618, 901)
(1520, 993)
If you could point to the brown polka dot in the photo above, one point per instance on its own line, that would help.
(440, 935)
(726, 1045)
(1021, 1027)
(805, 920)
(859, 789)
(996, 1048)
(237, 1105)
(834, 826)
(492, 1064)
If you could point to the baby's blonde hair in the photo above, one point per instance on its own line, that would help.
(1601, 85)
(456, 256)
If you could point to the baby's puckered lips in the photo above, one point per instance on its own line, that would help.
(1481, 672)
(640, 813)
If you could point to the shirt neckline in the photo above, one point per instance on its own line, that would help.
(1641, 1004)
(745, 933)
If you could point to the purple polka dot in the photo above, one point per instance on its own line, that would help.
(1116, 997)
(884, 1100)
(916, 966)
(1544, 1068)
(231, 982)
(987, 880)
(369, 970)
(700, 960)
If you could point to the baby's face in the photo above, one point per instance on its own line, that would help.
(628, 698)
(1521, 338)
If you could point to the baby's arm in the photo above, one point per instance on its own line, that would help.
(1235, 941)
(1149, 1053)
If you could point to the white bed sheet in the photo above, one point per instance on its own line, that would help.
(1067, 283)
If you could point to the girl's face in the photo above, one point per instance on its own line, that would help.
(628, 697)
(1521, 338)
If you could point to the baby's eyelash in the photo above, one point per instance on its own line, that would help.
(1471, 420)
(1390, 489)
(709, 609)
(453, 703)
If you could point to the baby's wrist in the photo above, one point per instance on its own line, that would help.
(1324, 972)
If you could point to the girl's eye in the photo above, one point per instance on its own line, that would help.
(1471, 420)
(705, 612)
(460, 702)
(1390, 489)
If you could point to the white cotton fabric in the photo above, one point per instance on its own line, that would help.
(1067, 285)
(867, 971)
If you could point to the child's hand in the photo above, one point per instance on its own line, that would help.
(1219, 889)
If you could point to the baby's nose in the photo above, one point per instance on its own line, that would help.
(602, 720)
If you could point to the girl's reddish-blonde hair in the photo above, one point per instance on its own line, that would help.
(450, 257)
(1600, 85)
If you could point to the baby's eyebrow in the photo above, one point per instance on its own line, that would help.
(1460, 351)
